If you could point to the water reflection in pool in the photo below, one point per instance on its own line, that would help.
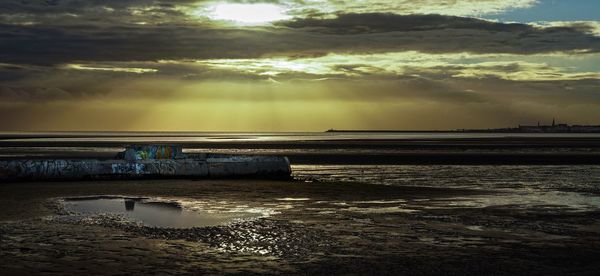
(165, 214)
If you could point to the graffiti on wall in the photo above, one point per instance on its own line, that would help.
(151, 152)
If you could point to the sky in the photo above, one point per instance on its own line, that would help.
(297, 65)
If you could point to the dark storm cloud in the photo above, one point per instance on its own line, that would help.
(459, 33)
(55, 32)
(66, 13)
(381, 22)
(77, 6)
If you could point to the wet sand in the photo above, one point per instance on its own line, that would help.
(312, 228)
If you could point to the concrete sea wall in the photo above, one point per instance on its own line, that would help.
(218, 166)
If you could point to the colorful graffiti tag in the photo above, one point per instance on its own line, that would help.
(151, 152)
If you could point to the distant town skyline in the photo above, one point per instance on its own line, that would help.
(290, 65)
(554, 126)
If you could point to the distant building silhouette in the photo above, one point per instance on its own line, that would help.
(539, 128)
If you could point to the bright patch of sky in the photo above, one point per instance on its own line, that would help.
(553, 10)
(505, 66)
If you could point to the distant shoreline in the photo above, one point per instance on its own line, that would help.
(539, 128)
(512, 130)
(391, 131)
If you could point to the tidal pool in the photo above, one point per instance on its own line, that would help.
(154, 213)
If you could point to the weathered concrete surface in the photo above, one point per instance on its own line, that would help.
(148, 162)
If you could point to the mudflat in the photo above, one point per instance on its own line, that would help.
(364, 204)
(305, 228)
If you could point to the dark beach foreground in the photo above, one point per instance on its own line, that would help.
(499, 206)
(312, 228)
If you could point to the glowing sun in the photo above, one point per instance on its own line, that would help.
(248, 13)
